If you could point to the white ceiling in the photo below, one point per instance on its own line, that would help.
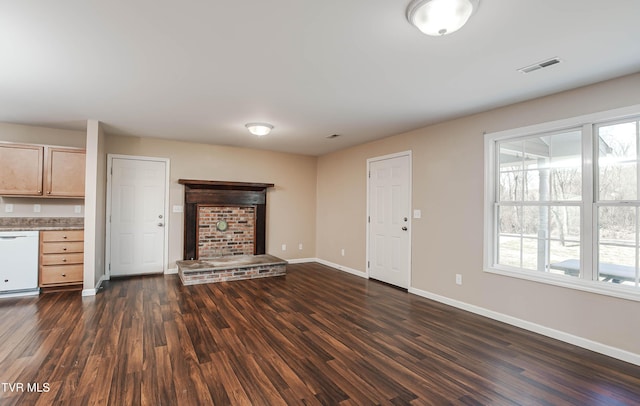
(199, 70)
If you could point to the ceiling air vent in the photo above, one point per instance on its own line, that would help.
(539, 65)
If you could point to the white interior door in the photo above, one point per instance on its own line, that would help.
(137, 243)
(389, 220)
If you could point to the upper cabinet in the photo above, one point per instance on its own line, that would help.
(64, 175)
(41, 171)
(21, 169)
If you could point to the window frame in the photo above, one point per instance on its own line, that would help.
(587, 281)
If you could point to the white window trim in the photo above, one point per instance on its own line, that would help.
(588, 248)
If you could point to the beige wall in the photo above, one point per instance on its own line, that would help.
(23, 206)
(448, 180)
(94, 222)
(291, 204)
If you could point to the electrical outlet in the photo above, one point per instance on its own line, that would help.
(8, 208)
(458, 279)
(37, 208)
(77, 209)
(284, 247)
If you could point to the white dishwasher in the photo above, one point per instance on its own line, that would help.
(18, 263)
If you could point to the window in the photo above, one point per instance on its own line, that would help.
(562, 203)
(617, 202)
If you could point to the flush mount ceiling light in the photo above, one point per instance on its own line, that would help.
(259, 129)
(440, 17)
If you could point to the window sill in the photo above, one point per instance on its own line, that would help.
(600, 288)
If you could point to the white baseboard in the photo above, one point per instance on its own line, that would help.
(301, 260)
(536, 328)
(171, 271)
(92, 292)
(342, 268)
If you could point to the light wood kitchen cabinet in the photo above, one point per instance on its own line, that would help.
(64, 175)
(21, 169)
(61, 259)
(41, 171)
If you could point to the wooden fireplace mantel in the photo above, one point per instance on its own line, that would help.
(222, 185)
(212, 192)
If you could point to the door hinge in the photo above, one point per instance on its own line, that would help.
(109, 266)
(368, 264)
(369, 174)
(368, 219)
(112, 170)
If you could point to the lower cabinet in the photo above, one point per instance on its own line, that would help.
(61, 259)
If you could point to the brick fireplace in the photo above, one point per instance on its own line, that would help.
(224, 233)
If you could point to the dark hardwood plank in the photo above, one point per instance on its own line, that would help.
(316, 337)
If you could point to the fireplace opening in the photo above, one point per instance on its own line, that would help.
(225, 230)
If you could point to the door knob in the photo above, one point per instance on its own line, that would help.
(404, 228)
(160, 224)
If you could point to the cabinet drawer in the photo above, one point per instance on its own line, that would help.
(64, 235)
(61, 274)
(62, 247)
(62, 259)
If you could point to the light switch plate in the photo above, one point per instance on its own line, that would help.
(177, 208)
(458, 279)
(417, 214)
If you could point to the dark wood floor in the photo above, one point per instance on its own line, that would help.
(316, 336)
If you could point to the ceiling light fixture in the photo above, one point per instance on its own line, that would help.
(259, 129)
(440, 17)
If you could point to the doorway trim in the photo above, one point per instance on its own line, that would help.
(408, 154)
(107, 251)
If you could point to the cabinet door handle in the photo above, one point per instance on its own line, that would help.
(64, 249)
(64, 260)
(64, 275)
(64, 237)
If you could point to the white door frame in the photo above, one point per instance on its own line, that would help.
(410, 216)
(107, 254)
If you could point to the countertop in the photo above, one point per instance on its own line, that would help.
(36, 228)
(41, 223)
